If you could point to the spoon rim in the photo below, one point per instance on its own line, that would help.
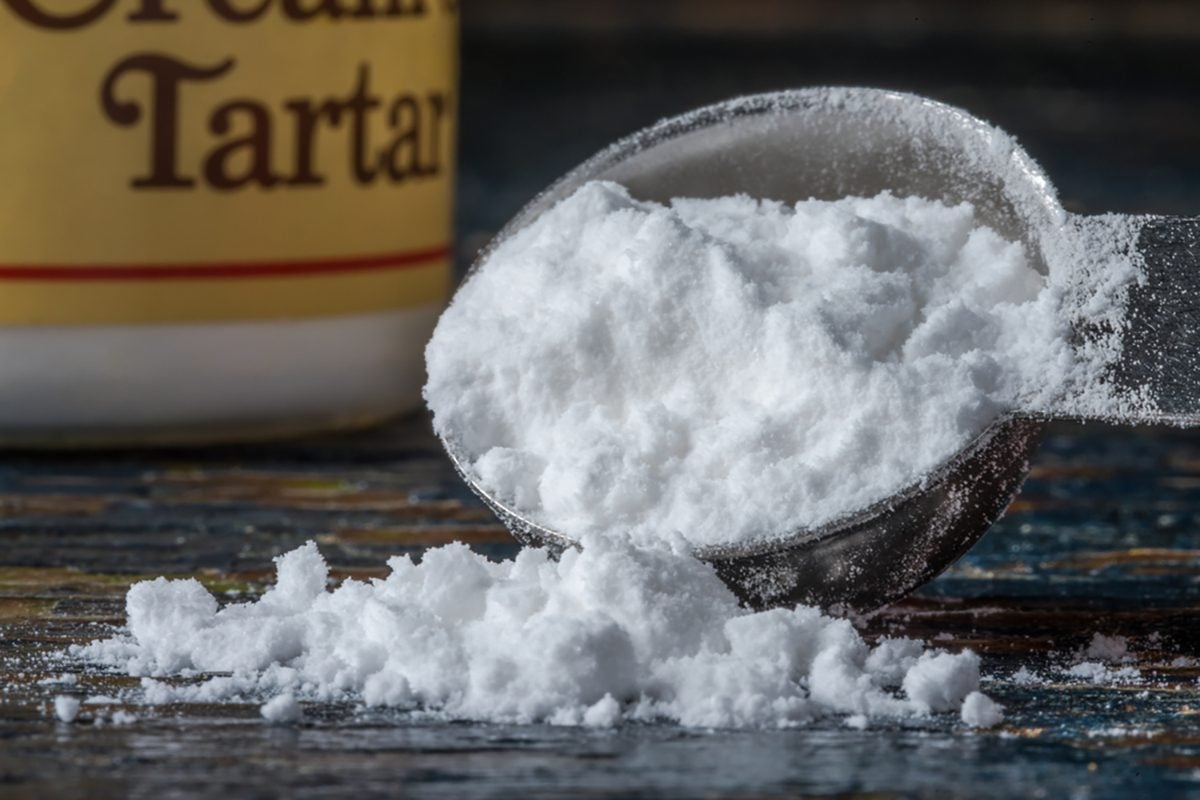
(1039, 200)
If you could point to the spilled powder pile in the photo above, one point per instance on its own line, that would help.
(729, 370)
(604, 635)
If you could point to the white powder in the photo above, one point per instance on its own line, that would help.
(100, 700)
(1095, 672)
(646, 379)
(607, 634)
(282, 709)
(66, 708)
(940, 681)
(980, 711)
(1026, 677)
(1108, 648)
(64, 679)
(1098, 662)
(733, 369)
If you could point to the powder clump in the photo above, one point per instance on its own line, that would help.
(981, 711)
(282, 709)
(732, 369)
(66, 708)
(607, 634)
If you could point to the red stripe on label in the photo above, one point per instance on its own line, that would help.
(219, 269)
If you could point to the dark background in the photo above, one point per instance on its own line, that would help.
(1105, 95)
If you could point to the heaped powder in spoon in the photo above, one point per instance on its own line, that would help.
(734, 369)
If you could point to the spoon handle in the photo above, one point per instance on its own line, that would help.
(1161, 340)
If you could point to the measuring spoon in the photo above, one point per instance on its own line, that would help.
(828, 143)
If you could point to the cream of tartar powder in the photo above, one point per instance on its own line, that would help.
(220, 220)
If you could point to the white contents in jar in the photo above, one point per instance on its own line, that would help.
(733, 369)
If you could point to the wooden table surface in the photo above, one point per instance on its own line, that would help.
(1105, 538)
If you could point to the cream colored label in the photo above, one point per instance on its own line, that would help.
(189, 160)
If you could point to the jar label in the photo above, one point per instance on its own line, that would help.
(179, 160)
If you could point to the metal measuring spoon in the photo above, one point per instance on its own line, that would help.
(827, 144)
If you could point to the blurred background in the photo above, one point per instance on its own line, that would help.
(1105, 94)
